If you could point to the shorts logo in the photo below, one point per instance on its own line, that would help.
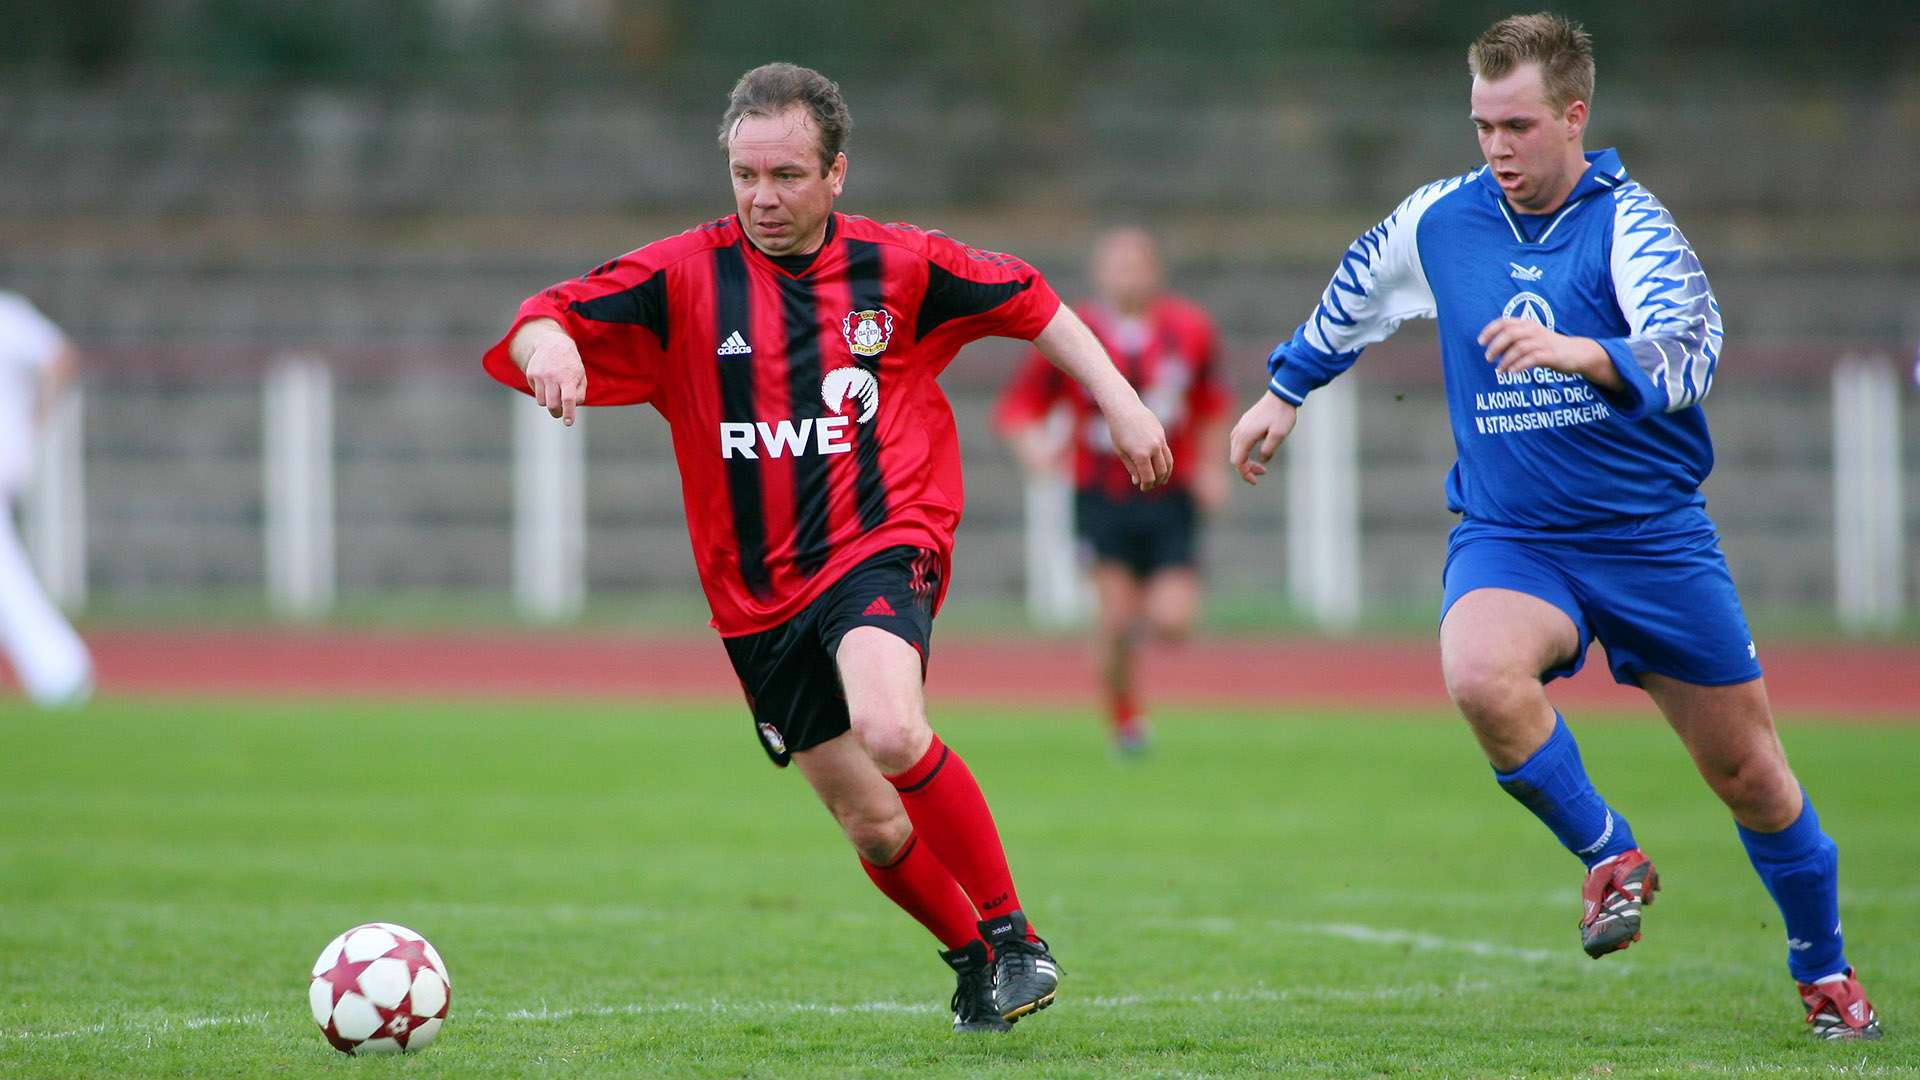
(852, 384)
(771, 735)
(867, 332)
(1530, 305)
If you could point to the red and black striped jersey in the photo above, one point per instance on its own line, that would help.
(1169, 354)
(807, 423)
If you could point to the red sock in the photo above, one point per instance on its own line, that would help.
(922, 887)
(946, 807)
(1123, 714)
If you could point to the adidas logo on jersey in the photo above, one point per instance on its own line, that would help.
(879, 607)
(735, 345)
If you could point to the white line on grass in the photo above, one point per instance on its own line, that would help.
(722, 1007)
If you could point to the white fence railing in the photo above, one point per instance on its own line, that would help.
(1322, 480)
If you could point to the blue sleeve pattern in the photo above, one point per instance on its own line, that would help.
(1673, 349)
(1379, 285)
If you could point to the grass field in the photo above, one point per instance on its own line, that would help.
(632, 891)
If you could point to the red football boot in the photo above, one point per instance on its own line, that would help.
(1615, 891)
(1840, 1009)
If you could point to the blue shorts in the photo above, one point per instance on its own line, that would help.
(1655, 591)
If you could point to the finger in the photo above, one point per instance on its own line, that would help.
(1239, 445)
(1163, 463)
(569, 398)
(1270, 444)
(1488, 331)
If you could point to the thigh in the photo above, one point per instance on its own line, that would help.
(1666, 605)
(1508, 600)
(791, 688)
(1173, 598)
(1729, 733)
(1508, 632)
(1117, 594)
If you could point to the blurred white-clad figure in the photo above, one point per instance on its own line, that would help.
(37, 366)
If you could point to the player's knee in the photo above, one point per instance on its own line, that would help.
(877, 837)
(1759, 788)
(1481, 684)
(894, 736)
(1173, 627)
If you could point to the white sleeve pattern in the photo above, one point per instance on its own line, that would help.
(1672, 318)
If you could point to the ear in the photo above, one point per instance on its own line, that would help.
(837, 173)
(1576, 119)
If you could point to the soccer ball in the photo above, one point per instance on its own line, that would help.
(379, 989)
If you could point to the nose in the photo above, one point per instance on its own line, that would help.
(764, 195)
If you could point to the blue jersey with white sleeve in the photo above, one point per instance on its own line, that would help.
(1538, 449)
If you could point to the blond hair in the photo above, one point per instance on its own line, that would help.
(1562, 48)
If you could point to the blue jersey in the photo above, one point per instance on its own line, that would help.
(1538, 449)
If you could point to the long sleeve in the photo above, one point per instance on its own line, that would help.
(1673, 350)
(1379, 285)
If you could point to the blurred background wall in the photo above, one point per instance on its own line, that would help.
(196, 189)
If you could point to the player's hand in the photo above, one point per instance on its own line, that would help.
(1259, 432)
(1515, 345)
(1141, 443)
(557, 376)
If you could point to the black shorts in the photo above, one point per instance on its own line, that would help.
(1144, 533)
(788, 672)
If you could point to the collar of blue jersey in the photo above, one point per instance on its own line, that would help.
(1604, 173)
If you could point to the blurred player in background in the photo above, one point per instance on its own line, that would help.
(1142, 544)
(1578, 337)
(794, 352)
(37, 366)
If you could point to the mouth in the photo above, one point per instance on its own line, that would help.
(1508, 179)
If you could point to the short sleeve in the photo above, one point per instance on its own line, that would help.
(616, 315)
(973, 293)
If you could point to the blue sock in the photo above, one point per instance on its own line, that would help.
(1801, 868)
(1554, 785)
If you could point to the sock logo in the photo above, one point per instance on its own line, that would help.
(996, 901)
(1797, 945)
(1605, 835)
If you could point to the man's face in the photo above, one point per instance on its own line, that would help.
(1126, 269)
(778, 188)
(1533, 149)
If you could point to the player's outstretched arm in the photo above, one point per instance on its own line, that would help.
(552, 364)
(1259, 433)
(1137, 435)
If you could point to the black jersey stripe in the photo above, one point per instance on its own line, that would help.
(733, 312)
(865, 282)
(643, 305)
(801, 314)
(950, 296)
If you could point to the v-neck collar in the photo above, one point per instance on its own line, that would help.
(1604, 173)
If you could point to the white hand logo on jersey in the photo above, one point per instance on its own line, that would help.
(852, 383)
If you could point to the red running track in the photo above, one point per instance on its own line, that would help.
(1881, 682)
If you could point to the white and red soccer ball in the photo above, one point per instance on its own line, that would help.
(379, 989)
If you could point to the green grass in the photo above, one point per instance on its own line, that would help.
(632, 891)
